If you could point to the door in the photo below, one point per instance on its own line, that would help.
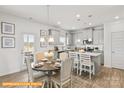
(118, 50)
(28, 46)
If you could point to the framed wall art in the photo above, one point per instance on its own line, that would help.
(7, 42)
(7, 28)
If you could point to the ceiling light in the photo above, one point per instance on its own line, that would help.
(90, 24)
(116, 17)
(78, 15)
(58, 22)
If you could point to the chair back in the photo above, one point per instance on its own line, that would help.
(73, 55)
(66, 69)
(63, 56)
(85, 59)
(39, 56)
(29, 69)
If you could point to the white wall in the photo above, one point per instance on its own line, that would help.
(108, 29)
(10, 58)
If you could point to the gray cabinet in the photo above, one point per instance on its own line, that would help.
(98, 37)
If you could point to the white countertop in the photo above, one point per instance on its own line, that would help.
(91, 53)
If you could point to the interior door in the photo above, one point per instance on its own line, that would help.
(118, 50)
(28, 46)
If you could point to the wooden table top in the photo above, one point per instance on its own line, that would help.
(47, 66)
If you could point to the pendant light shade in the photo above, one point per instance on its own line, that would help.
(42, 39)
(51, 39)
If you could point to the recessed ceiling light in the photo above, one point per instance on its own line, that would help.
(58, 22)
(73, 27)
(78, 15)
(116, 17)
(90, 24)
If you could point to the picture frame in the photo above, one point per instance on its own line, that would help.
(7, 28)
(7, 42)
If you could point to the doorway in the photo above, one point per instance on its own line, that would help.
(118, 50)
(28, 46)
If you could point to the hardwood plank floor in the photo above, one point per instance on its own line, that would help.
(106, 78)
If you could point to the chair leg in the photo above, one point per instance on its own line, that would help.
(93, 70)
(51, 84)
(60, 85)
(77, 69)
(55, 85)
(90, 72)
(71, 83)
(80, 71)
(43, 84)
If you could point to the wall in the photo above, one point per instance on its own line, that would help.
(108, 29)
(10, 58)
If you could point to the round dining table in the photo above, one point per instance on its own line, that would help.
(47, 67)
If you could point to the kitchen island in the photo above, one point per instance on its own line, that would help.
(96, 58)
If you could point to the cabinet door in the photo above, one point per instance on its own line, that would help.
(69, 39)
(62, 38)
(98, 37)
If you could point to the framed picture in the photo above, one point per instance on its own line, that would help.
(7, 28)
(7, 42)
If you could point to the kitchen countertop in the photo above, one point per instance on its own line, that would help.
(91, 53)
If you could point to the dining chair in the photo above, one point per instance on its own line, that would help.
(86, 64)
(65, 74)
(39, 56)
(75, 58)
(63, 56)
(33, 75)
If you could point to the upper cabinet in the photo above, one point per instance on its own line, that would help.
(95, 34)
(69, 39)
(98, 36)
(82, 35)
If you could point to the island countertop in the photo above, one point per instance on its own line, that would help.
(91, 53)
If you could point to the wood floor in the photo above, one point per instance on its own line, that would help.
(106, 78)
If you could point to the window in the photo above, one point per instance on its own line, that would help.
(28, 42)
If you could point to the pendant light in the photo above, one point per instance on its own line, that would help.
(78, 40)
(50, 37)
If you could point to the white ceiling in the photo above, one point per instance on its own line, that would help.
(66, 14)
